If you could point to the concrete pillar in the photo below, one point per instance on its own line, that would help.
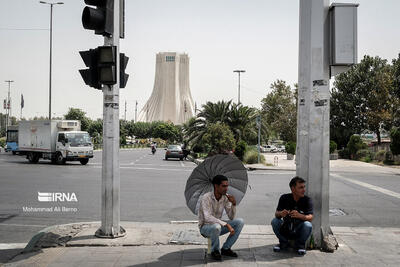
(312, 157)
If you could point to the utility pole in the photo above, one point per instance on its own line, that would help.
(238, 72)
(136, 111)
(327, 46)
(312, 157)
(258, 122)
(125, 111)
(8, 104)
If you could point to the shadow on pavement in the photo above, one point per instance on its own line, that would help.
(198, 256)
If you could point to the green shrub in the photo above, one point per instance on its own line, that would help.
(251, 157)
(355, 143)
(363, 153)
(2, 142)
(344, 153)
(332, 147)
(240, 149)
(388, 158)
(380, 155)
(290, 147)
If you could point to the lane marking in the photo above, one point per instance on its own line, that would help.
(29, 225)
(12, 245)
(267, 173)
(369, 186)
(143, 168)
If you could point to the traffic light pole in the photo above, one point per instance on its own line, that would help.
(110, 196)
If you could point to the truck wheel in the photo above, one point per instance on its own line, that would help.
(84, 161)
(33, 157)
(14, 153)
(60, 159)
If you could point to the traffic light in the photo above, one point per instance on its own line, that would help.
(99, 19)
(90, 76)
(123, 77)
(106, 64)
(101, 62)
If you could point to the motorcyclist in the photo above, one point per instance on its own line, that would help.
(153, 148)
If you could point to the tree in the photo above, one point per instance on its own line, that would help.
(362, 100)
(219, 139)
(280, 112)
(396, 89)
(166, 131)
(395, 138)
(78, 114)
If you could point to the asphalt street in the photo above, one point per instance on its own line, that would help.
(152, 191)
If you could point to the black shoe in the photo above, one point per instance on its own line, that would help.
(228, 252)
(216, 255)
(280, 247)
(301, 251)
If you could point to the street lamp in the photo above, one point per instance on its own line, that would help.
(239, 71)
(51, 45)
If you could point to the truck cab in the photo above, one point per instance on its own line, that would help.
(74, 146)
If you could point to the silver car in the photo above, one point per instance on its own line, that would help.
(174, 151)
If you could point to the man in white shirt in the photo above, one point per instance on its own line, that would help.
(211, 208)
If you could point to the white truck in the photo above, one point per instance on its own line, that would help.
(56, 140)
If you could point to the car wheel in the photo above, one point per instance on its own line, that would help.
(84, 161)
(166, 158)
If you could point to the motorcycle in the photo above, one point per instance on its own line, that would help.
(153, 150)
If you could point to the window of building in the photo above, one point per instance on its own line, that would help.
(170, 58)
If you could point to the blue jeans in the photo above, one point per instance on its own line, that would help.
(303, 231)
(213, 231)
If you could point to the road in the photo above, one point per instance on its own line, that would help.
(152, 191)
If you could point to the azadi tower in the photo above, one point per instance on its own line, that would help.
(171, 99)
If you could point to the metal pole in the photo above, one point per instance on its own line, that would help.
(51, 48)
(110, 185)
(136, 112)
(125, 111)
(51, 51)
(239, 71)
(312, 157)
(259, 136)
(8, 104)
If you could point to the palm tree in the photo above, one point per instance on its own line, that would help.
(195, 128)
(241, 120)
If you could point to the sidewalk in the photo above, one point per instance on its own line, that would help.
(280, 162)
(166, 244)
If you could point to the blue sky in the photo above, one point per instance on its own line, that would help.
(260, 36)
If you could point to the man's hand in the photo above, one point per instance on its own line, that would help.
(231, 199)
(230, 229)
(284, 213)
(295, 214)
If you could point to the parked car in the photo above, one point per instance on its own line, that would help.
(280, 148)
(174, 151)
(268, 148)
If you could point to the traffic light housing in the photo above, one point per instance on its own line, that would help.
(99, 19)
(101, 62)
(123, 77)
(90, 76)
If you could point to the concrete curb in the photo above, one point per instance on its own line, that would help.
(54, 236)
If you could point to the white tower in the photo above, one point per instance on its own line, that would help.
(171, 99)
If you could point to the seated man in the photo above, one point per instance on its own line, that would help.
(211, 208)
(296, 209)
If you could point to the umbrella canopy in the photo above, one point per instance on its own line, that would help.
(200, 181)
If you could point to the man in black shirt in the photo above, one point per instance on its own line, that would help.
(293, 217)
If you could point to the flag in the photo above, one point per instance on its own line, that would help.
(9, 104)
(22, 101)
